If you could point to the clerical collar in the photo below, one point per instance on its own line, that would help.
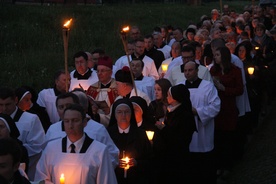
(123, 131)
(139, 78)
(106, 85)
(57, 92)
(78, 144)
(171, 108)
(139, 57)
(193, 84)
(84, 76)
(127, 96)
(14, 112)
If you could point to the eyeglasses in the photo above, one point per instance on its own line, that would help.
(102, 71)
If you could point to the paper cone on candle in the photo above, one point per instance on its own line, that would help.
(150, 135)
(164, 67)
(250, 70)
(62, 179)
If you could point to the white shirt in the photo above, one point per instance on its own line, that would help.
(75, 83)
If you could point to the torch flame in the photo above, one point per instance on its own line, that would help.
(67, 24)
(126, 29)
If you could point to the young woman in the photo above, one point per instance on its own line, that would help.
(228, 81)
(158, 107)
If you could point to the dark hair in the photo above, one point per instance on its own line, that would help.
(68, 95)
(157, 29)
(100, 51)
(148, 36)
(80, 54)
(142, 62)
(6, 92)
(9, 146)
(188, 48)
(165, 84)
(179, 29)
(225, 59)
(76, 107)
(194, 44)
(113, 120)
(248, 47)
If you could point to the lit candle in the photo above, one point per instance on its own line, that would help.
(150, 135)
(126, 29)
(126, 159)
(250, 70)
(164, 67)
(67, 24)
(62, 179)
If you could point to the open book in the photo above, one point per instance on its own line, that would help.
(100, 104)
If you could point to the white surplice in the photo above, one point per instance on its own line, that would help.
(47, 98)
(146, 85)
(206, 101)
(85, 83)
(92, 167)
(94, 130)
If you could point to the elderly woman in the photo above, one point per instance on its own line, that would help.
(176, 132)
(132, 143)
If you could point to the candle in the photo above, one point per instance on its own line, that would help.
(250, 70)
(126, 159)
(126, 29)
(62, 179)
(67, 24)
(150, 135)
(164, 67)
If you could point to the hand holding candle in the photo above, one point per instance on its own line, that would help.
(62, 179)
(126, 167)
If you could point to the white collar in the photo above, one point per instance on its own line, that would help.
(123, 131)
(78, 144)
(171, 108)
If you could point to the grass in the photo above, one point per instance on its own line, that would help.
(31, 47)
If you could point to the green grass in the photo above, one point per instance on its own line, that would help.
(31, 47)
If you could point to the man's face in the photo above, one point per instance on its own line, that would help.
(81, 65)
(158, 40)
(120, 86)
(8, 105)
(62, 104)
(176, 50)
(139, 48)
(134, 33)
(7, 167)
(188, 56)
(61, 83)
(136, 67)
(95, 58)
(190, 71)
(177, 35)
(130, 48)
(148, 43)
(104, 74)
(4, 131)
(73, 124)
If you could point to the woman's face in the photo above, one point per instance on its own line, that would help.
(4, 131)
(259, 32)
(138, 113)
(26, 102)
(158, 92)
(170, 98)
(242, 52)
(123, 114)
(217, 57)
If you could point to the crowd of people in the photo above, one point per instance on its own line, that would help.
(201, 91)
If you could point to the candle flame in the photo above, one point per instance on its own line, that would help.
(62, 175)
(126, 29)
(67, 24)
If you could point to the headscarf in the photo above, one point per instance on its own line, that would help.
(113, 120)
(142, 104)
(14, 132)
